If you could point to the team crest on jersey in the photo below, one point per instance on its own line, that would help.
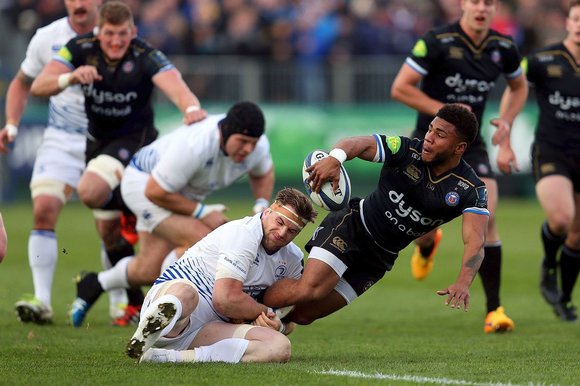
(495, 56)
(280, 272)
(92, 60)
(548, 168)
(394, 144)
(413, 173)
(339, 244)
(420, 49)
(455, 53)
(128, 66)
(452, 198)
(554, 71)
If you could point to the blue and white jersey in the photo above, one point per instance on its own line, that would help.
(66, 110)
(189, 160)
(234, 250)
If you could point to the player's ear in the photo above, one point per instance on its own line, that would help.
(460, 148)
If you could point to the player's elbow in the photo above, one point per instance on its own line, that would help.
(396, 92)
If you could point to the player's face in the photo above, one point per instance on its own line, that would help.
(115, 39)
(278, 231)
(82, 13)
(240, 146)
(441, 142)
(573, 25)
(477, 14)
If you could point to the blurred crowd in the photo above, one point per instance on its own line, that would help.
(308, 30)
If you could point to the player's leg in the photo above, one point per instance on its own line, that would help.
(423, 257)
(490, 271)
(570, 267)
(58, 165)
(166, 313)
(555, 195)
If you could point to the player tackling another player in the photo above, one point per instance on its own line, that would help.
(422, 184)
(194, 309)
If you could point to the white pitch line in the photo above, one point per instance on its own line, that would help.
(418, 379)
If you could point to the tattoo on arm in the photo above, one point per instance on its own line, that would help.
(474, 261)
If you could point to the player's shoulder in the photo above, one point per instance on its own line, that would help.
(293, 252)
(464, 172)
(548, 52)
(501, 39)
(57, 25)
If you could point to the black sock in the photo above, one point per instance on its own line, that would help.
(135, 296)
(569, 268)
(552, 244)
(89, 289)
(122, 249)
(490, 272)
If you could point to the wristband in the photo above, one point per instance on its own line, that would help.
(11, 129)
(339, 154)
(192, 108)
(64, 80)
(198, 210)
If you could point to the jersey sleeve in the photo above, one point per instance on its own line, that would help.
(425, 54)
(157, 62)
(477, 201)
(512, 59)
(237, 254)
(390, 150)
(178, 164)
(33, 63)
(69, 55)
(532, 69)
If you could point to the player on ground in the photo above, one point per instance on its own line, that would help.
(60, 159)
(554, 71)
(117, 73)
(459, 63)
(189, 312)
(165, 185)
(423, 184)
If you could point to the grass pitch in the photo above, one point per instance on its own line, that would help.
(398, 333)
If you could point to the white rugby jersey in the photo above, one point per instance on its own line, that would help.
(189, 160)
(66, 110)
(235, 248)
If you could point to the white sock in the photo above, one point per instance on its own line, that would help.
(42, 257)
(229, 350)
(117, 297)
(116, 277)
(169, 259)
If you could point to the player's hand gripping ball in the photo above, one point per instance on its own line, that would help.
(327, 198)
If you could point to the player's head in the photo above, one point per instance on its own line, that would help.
(241, 129)
(116, 29)
(285, 218)
(451, 131)
(82, 14)
(573, 22)
(478, 14)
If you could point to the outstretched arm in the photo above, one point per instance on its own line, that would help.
(474, 232)
(56, 76)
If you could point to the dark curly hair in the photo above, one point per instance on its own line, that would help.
(464, 120)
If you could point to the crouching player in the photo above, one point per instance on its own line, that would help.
(193, 310)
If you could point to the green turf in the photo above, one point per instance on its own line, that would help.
(398, 333)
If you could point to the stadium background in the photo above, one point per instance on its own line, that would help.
(320, 69)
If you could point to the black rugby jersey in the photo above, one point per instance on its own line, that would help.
(409, 202)
(454, 69)
(120, 103)
(556, 77)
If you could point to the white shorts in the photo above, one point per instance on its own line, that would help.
(202, 315)
(61, 157)
(148, 214)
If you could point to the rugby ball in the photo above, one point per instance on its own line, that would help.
(326, 198)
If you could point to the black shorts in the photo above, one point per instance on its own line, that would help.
(549, 161)
(121, 148)
(343, 234)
